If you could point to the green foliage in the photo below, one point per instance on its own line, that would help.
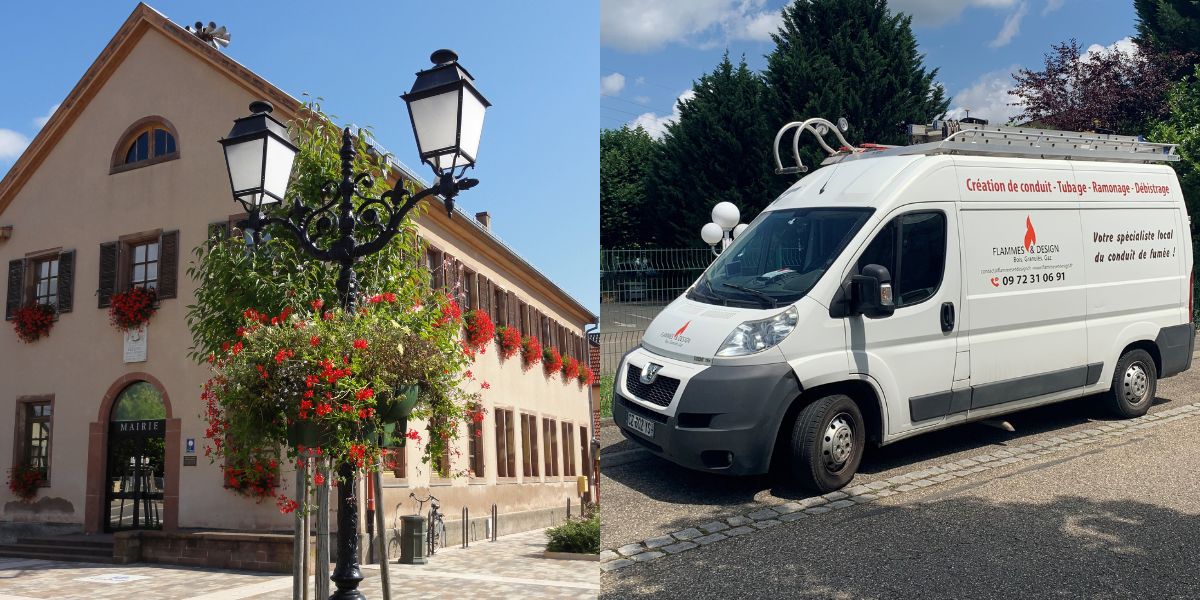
(140, 401)
(853, 59)
(1168, 25)
(719, 150)
(626, 155)
(606, 395)
(581, 536)
(1182, 127)
(258, 310)
(232, 278)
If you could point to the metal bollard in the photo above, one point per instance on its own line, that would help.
(495, 522)
(466, 524)
(568, 508)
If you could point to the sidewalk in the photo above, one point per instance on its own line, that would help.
(511, 567)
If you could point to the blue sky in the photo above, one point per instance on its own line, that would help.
(652, 50)
(535, 61)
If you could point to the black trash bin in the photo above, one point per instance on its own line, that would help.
(412, 540)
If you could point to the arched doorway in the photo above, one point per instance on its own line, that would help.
(136, 457)
(133, 459)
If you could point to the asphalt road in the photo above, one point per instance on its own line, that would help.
(1113, 520)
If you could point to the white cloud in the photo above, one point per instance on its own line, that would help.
(934, 13)
(656, 125)
(987, 98)
(1011, 27)
(1124, 45)
(641, 80)
(1052, 5)
(612, 84)
(12, 144)
(647, 25)
(41, 121)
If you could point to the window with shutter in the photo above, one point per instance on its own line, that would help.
(522, 317)
(109, 261)
(450, 274)
(511, 317)
(16, 287)
(500, 307)
(168, 265)
(66, 281)
(470, 296)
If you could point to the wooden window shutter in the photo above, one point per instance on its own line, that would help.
(512, 309)
(448, 274)
(66, 281)
(168, 265)
(109, 261)
(501, 312)
(16, 287)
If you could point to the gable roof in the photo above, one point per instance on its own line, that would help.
(144, 19)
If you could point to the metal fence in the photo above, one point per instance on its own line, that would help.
(635, 285)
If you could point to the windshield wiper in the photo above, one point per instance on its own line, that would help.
(710, 294)
(767, 297)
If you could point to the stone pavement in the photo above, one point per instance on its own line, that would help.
(511, 567)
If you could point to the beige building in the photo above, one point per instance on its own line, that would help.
(118, 187)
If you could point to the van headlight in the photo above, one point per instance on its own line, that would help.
(756, 336)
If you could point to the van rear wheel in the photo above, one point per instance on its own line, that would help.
(827, 443)
(1134, 383)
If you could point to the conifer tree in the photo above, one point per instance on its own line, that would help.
(626, 154)
(853, 59)
(718, 150)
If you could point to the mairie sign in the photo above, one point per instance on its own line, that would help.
(148, 427)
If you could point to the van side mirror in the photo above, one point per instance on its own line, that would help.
(871, 292)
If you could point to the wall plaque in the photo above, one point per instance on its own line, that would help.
(135, 344)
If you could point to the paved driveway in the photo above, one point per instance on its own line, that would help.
(1071, 505)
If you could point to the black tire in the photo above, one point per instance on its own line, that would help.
(1135, 381)
(824, 459)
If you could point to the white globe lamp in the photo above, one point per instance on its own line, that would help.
(711, 234)
(726, 215)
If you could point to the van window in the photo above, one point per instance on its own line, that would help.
(919, 239)
(780, 257)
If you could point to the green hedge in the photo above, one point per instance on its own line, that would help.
(581, 536)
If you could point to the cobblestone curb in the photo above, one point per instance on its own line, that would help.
(768, 516)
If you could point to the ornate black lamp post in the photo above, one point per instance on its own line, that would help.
(447, 118)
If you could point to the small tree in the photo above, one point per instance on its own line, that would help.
(1109, 90)
(626, 156)
(1182, 126)
(285, 358)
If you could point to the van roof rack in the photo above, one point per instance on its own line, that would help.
(957, 137)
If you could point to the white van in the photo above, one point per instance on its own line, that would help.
(903, 290)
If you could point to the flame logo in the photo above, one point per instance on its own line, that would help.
(682, 329)
(1030, 234)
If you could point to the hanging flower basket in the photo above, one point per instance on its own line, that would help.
(586, 376)
(570, 368)
(23, 482)
(33, 321)
(509, 339)
(257, 479)
(551, 360)
(480, 331)
(396, 407)
(132, 308)
(531, 351)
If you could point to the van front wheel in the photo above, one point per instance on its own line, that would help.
(1134, 384)
(827, 443)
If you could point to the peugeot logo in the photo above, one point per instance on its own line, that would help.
(650, 373)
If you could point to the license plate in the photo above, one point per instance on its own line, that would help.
(640, 424)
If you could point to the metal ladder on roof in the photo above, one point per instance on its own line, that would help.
(955, 137)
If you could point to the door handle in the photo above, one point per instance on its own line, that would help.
(947, 316)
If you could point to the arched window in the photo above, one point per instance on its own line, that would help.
(138, 402)
(148, 141)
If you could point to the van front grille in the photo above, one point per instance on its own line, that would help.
(661, 392)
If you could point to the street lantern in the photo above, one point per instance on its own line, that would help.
(724, 227)
(446, 113)
(711, 234)
(259, 157)
(726, 215)
(447, 118)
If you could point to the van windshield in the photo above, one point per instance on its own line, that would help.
(780, 257)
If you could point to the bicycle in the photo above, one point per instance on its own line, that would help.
(436, 527)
